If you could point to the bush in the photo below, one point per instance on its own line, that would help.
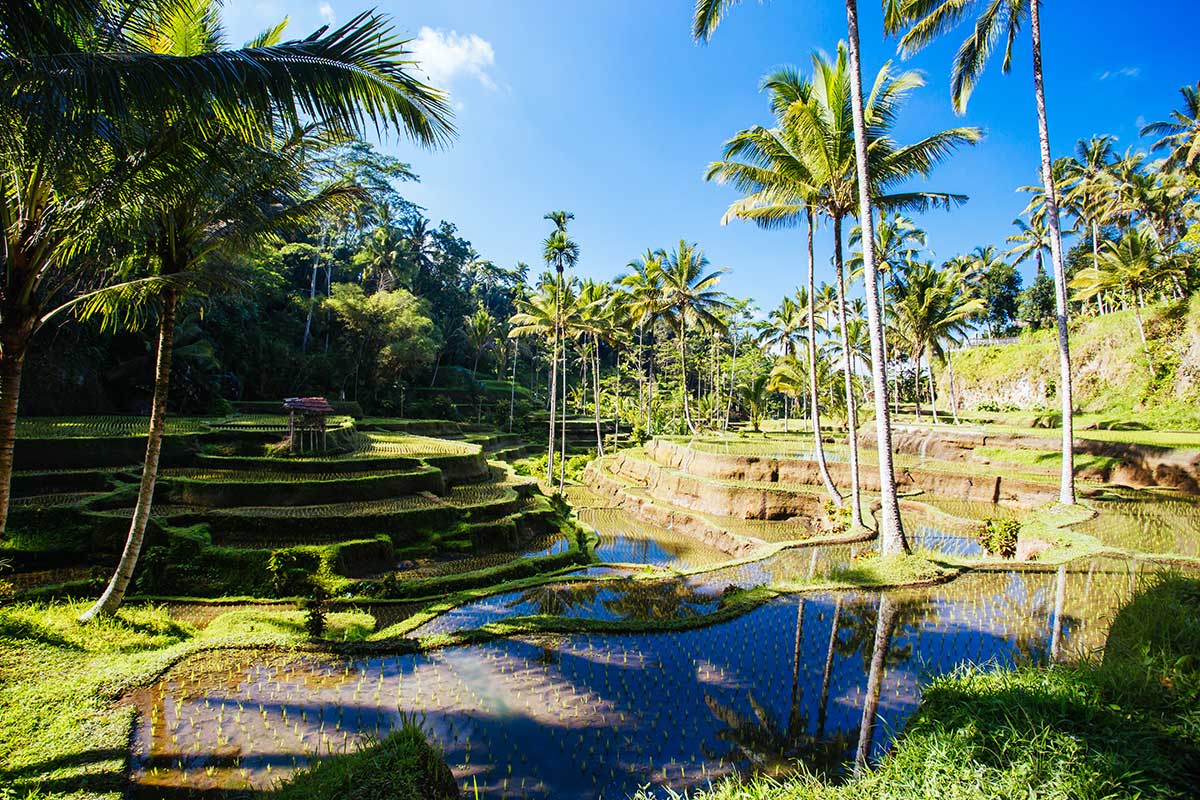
(290, 571)
(402, 766)
(316, 609)
(999, 536)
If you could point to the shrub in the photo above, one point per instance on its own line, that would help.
(402, 766)
(316, 609)
(839, 517)
(999, 536)
(290, 571)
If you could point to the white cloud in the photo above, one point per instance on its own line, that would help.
(326, 12)
(445, 55)
(1123, 72)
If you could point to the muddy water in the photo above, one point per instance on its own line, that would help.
(589, 716)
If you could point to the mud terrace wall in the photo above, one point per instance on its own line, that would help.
(1139, 465)
(1012, 492)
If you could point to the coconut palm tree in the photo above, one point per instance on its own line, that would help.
(690, 297)
(1136, 265)
(256, 181)
(593, 321)
(248, 197)
(76, 95)
(644, 287)
(783, 329)
(926, 20)
(820, 121)
(779, 190)
(1090, 184)
(1179, 136)
(707, 17)
(479, 328)
(933, 308)
(753, 396)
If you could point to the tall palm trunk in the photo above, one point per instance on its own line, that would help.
(16, 328)
(885, 625)
(554, 343)
(114, 593)
(562, 444)
(1137, 315)
(891, 528)
(687, 410)
(596, 390)
(856, 518)
(814, 404)
(932, 391)
(512, 386)
(1060, 598)
(1066, 493)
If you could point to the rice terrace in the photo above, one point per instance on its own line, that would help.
(883, 481)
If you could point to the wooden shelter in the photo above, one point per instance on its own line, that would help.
(306, 415)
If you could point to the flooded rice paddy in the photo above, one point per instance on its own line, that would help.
(597, 716)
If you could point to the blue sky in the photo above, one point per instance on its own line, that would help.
(611, 111)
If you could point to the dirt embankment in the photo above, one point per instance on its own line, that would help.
(1136, 465)
(1009, 491)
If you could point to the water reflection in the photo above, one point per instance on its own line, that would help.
(816, 678)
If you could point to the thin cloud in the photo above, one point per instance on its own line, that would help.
(444, 55)
(1123, 72)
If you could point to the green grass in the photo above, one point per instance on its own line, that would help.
(401, 766)
(61, 732)
(1126, 725)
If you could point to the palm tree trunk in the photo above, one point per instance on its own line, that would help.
(794, 719)
(1137, 315)
(14, 342)
(687, 411)
(114, 593)
(732, 374)
(1060, 597)
(596, 390)
(1065, 389)
(932, 393)
(512, 387)
(885, 625)
(562, 443)
(554, 379)
(856, 518)
(891, 528)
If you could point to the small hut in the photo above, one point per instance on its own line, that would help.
(306, 415)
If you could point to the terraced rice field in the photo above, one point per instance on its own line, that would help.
(1147, 521)
(584, 716)
(627, 540)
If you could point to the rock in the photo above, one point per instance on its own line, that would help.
(1030, 547)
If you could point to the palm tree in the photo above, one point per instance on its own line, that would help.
(1091, 182)
(790, 378)
(779, 190)
(75, 95)
(933, 308)
(594, 322)
(1136, 265)
(690, 296)
(479, 328)
(707, 17)
(925, 20)
(754, 397)
(247, 193)
(644, 286)
(382, 250)
(260, 194)
(560, 251)
(1180, 135)
(783, 329)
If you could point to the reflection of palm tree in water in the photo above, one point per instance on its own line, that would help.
(556, 599)
(766, 745)
(628, 599)
(667, 599)
(1033, 616)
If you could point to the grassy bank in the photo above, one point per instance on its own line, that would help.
(1125, 725)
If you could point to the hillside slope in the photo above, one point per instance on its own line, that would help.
(1112, 377)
